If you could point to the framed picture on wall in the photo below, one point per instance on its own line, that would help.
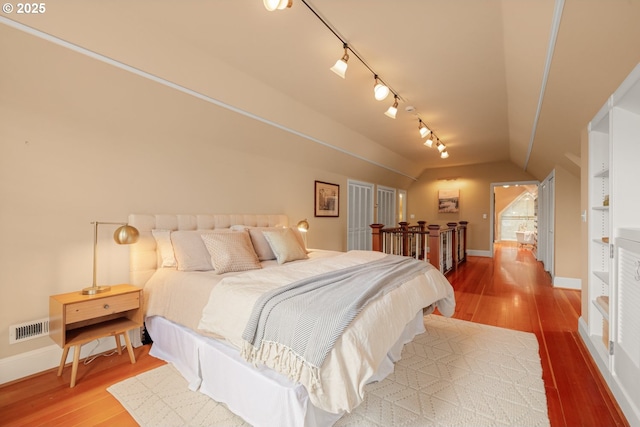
(448, 201)
(327, 199)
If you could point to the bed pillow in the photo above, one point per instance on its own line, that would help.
(231, 251)
(189, 249)
(165, 248)
(284, 245)
(260, 244)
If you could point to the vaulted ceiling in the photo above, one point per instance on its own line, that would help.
(495, 80)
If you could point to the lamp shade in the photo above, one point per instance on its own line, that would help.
(303, 225)
(392, 111)
(340, 67)
(126, 235)
(272, 5)
(380, 90)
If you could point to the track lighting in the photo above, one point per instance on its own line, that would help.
(272, 5)
(424, 130)
(380, 90)
(393, 110)
(429, 141)
(340, 67)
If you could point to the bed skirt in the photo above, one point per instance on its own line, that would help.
(261, 396)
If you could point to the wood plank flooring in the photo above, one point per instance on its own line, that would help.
(511, 291)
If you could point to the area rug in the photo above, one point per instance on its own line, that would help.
(457, 373)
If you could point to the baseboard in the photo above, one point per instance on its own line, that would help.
(630, 411)
(35, 361)
(475, 252)
(567, 283)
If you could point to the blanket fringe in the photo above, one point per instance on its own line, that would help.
(284, 360)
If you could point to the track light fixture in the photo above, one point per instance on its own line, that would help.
(272, 5)
(424, 130)
(393, 110)
(340, 67)
(429, 141)
(380, 90)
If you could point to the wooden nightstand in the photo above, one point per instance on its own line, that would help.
(76, 319)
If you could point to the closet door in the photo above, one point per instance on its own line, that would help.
(626, 347)
(387, 206)
(359, 215)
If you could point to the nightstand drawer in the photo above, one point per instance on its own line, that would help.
(99, 307)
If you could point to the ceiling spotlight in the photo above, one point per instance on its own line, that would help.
(380, 90)
(440, 146)
(340, 67)
(393, 110)
(272, 5)
(429, 141)
(444, 154)
(424, 130)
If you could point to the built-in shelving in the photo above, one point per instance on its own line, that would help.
(614, 174)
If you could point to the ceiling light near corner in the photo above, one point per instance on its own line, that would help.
(272, 5)
(393, 110)
(380, 90)
(444, 154)
(424, 130)
(340, 67)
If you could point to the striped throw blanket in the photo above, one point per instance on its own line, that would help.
(302, 321)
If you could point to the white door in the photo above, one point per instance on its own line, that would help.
(359, 215)
(625, 316)
(546, 222)
(386, 206)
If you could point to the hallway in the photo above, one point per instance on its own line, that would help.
(513, 291)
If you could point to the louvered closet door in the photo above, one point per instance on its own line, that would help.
(386, 206)
(359, 215)
(626, 355)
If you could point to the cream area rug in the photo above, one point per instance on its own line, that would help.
(457, 373)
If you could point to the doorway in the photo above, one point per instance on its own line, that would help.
(514, 214)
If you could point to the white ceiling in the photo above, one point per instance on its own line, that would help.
(472, 69)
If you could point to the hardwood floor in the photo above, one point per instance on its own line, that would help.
(511, 291)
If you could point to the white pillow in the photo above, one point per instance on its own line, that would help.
(284, 245)
(189, 249)
(231, 252)
(165, 248)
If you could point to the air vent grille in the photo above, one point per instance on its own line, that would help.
(28, 330)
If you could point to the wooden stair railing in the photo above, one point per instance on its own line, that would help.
(444, 248)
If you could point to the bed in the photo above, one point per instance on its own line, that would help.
(203, 318)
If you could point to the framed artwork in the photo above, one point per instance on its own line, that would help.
(448, 201)
(327, 199)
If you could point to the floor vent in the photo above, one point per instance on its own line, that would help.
(28, 330)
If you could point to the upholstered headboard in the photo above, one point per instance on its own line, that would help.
(143, 256)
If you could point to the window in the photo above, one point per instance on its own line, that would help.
(519, 215)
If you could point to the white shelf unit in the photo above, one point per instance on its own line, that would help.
(614, 174)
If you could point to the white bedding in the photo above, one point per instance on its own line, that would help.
(226, 302)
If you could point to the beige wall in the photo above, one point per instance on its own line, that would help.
(567, 224)
(82, 141)
(474, 183)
